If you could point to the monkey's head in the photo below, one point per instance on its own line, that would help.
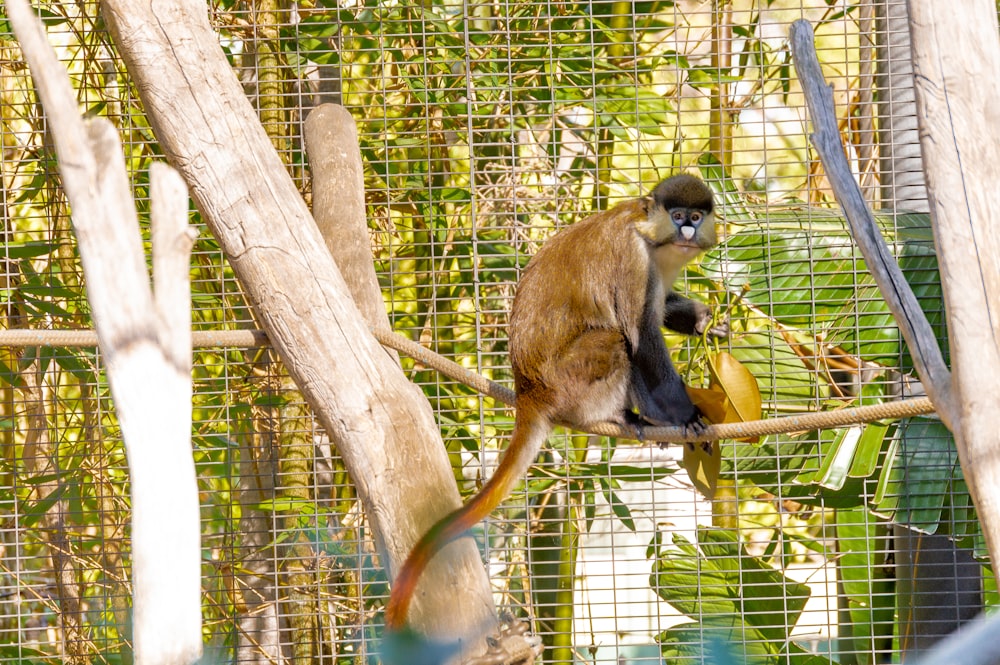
(680, 212)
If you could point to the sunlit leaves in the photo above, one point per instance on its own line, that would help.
(731, 596)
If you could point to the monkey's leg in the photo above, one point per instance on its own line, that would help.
(587, 382)
(656, 387)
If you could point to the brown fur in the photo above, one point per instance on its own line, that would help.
(585, 342)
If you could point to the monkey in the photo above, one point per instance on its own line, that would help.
(585, 342)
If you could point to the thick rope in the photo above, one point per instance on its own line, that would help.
(754, 428)
(88, 338)
(751, 428)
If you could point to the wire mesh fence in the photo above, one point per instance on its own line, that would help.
(485, 127)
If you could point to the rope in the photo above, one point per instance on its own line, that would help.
(754, 428)
(751, 428)
(88, 338)
(449, 368)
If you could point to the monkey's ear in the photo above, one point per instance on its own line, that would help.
(647, 203)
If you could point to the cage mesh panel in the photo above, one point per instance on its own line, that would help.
(485, 127)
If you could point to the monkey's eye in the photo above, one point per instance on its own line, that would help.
(678, 215)
(696, 217)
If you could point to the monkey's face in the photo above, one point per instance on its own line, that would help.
(680, 213)
(694, 227)
(688, 231)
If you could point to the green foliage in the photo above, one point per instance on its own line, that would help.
(867, 582)
(463, 124)
(809, 287)
(807, 284)
(733, 599)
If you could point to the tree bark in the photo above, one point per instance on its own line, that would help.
(916, 330)
(930, 605)
(254, 592)
(958, 100)
(382, 425)
(338, 205)
(41, 460)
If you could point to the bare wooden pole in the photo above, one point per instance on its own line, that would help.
(903, 304)
(338, 205)
(956, 65)
(959, 114)
(147, 346)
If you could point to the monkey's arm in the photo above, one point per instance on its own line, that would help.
(691, 317)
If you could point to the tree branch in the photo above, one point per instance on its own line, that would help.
(150, 378)
(382, 425)
(956, 58)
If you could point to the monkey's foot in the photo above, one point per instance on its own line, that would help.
(706, 446)
(694, 428)
(513, 645)
(632, 421)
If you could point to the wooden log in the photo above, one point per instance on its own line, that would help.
(381, 424)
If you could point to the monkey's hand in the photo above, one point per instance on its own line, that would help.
(691, 317)
(704, 322)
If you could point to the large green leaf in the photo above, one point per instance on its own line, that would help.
(853, 454)
(781, 465)
(803, 271)
(919, 476)
(780, 374)
(867, 583)
(719, 581)
(801, 266)
(686, 644)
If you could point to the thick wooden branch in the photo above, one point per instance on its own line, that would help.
(172, 243)
(903, 304)
(958, 112)
(150, 378)
(338, 205)
(956, 63)
(382, 425)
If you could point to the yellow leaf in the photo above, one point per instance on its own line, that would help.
(703, 465)
(711, 402)
(732, 397)
(742, 395)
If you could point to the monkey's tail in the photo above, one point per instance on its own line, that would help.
(530, 431)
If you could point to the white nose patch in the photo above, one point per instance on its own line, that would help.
(687, 232)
